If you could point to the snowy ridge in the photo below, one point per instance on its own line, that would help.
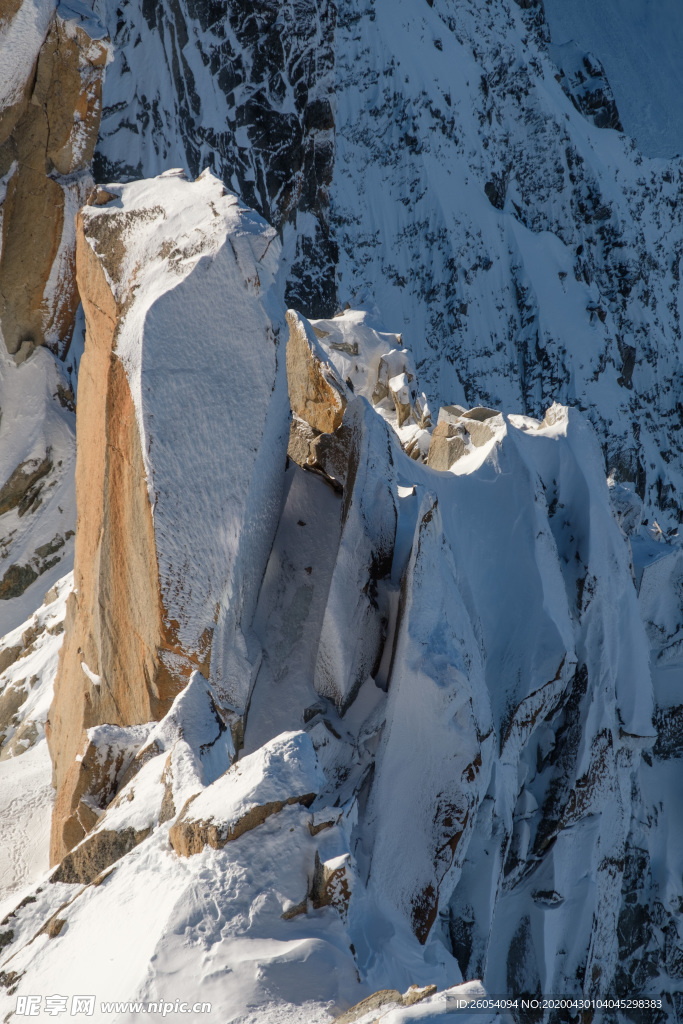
(437, 741)
(493, 693)
(194, 276)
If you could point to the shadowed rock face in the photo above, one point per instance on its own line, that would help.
(261, 118)
(47, 138)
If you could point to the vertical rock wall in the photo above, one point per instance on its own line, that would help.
(47, 138)
(172, 479)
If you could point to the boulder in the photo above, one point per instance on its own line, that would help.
(283, 771)
(97, 852)
(455, 430)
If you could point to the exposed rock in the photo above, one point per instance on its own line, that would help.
(332, 884)
(95, 853)
(456, 429)
(22, 489)
(11, 699)
(24, 352)
(140, 621)
(283, 771)
(277, 155)
(402, 396)
(448, 444)
(584, 81)
(16, 580)
(391, 365)
(316, 394)
(416, 993)
(475, 424)
(47, 139)
(382, 1000)
(327, 454)
(23, 738)
(94, 779)
(8, 655)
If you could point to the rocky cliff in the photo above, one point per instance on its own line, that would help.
(368, 694)
(49, 121)
(162, 548)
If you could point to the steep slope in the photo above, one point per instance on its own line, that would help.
(507, 654)
(527, 255)
(638, 43)
(28, 658)
(370, 678)
(54, 56)
(52, 63)
(244, 89)
(37, 459)
(531, 256)
(177, 280)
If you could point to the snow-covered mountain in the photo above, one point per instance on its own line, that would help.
(370, 672)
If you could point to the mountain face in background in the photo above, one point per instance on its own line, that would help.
(365, 693)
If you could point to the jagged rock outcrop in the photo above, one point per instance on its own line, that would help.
(584, 81)
(151, 568)
(468, 645)
(337, 434)
(316, 394)
(283, 772)
(457, 431)
(48, 130)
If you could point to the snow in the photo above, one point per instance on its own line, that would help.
(26, 798)
(284, 768)
(34, 424)
(200, 342)
(639, 44)
(488, 711)
(21, 38)
(26, 794)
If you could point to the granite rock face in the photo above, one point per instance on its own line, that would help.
(48, 131)
(139, 622)
(404, 695)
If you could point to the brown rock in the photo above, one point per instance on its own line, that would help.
(475, 424)
(332, 884)
(49, 136)
(116, 573)
(448, 444)
(8, 655)
(188, 837)
(96, 853)
(417, 993)
(326, 454)
(382, 1000)
(11, 699)
(316, 394)
(16, 580)
(21, 489)
(22, 740)
(122, 661)
(400, 391)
